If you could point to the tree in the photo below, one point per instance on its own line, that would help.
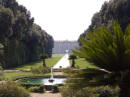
(110, 53)
(111, 10)
(43, 57)
(72, 57)
(20, 36)
(6, 23)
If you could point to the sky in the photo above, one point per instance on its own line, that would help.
(63, 19)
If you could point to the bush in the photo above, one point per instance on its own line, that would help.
(11, 89)
(55, 89)
(66, 91)
(107, 92)
(39, 70)
(37, 89)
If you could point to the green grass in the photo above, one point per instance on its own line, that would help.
(49, 62)
(20, 74)
(82, 63)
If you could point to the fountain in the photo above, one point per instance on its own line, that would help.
(51, 78)
(48, 81)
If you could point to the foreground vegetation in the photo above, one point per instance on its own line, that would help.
(67, 91)
(11, 89)
(110, 52)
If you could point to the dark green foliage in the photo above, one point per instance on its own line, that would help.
(110, 52)
(22, 40)
(36, 89)
(112, 10)
(107, 92)
(67, 91)
(11, 89)
(55, 89)
(6, 22)
(72, 57)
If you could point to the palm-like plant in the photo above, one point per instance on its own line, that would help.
(44, 57)
(72, 57)
(109, 51)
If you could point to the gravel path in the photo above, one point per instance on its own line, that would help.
(63, 63)
(46, 95)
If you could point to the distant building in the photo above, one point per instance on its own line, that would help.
(60, 47)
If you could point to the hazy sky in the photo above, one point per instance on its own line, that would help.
(63, 19)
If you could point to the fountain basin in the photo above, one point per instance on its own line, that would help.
(43, 80)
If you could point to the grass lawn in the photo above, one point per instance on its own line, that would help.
(49, 62)
(20, 74)
(82, 63)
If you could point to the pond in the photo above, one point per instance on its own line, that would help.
(44, 81)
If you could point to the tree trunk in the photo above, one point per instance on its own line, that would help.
(73, 63)
(44, 63)
(124, 90)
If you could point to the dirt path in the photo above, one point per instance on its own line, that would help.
(46, 95)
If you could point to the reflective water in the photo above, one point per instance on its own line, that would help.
(45, 81)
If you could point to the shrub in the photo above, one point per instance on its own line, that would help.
(66, 91)
(55, 89)
(39, 70)
(37, 89)
(107, 92)
(11, 89)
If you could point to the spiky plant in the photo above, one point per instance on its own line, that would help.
(109, 51)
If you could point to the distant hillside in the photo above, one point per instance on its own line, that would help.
(61, 46)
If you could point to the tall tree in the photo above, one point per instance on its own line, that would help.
(112, 10)
(20, 36)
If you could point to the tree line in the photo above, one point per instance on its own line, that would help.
(112, 10)
(21, 40)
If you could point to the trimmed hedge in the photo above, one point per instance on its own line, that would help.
(37, 89)
(55, 89)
